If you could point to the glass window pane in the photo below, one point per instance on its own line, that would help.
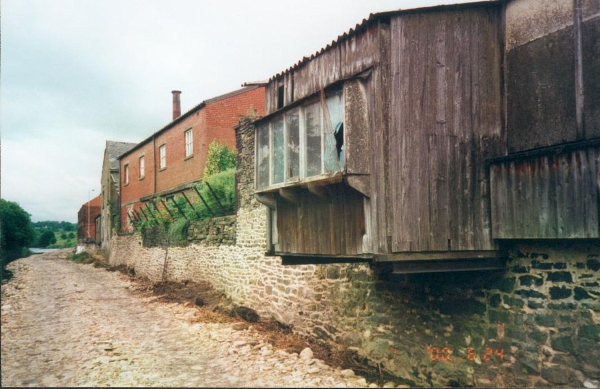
(262, 157)
(333, 129)
(278, 151)
(312, 120)
(293, 143)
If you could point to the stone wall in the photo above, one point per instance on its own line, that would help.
(535, 324)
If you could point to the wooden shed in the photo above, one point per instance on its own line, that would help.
(379, 146)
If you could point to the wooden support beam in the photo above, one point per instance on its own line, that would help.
(149, 210)
(178, 207)
(410, 267)
(436, 256)
(190, 203)
(204, 202)
(267, 199)
(290, 194)
(167, 208)
(216, 198)
(319, 190)
(362, 183)
(144, 213)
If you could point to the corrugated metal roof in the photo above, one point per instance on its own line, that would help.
(375, 17)
(188, 113)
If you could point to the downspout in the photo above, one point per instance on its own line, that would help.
(154, 160)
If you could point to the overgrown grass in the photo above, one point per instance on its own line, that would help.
(218, 191)
(79, 258)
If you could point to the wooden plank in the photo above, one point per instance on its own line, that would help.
(437, 255)
(446, 266)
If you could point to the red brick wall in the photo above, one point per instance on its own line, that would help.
(83, 223)
(213, 122)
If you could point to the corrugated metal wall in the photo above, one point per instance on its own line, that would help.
(550, 196)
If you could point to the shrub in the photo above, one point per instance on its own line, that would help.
(218, 159)
(79, 258)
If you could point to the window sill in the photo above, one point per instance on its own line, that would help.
(189, 157)
(322, 179)
(126, 184)
(162, 169)
(141, 178)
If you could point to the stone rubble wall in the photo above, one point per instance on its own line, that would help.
(536, 324)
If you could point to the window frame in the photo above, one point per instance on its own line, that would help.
(190, 143)
(302, 142)
(142, 166)
(162, 159)
(126, 174)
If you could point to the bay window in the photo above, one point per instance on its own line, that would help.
(302, 143)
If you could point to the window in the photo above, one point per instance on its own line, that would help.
(302, 143)
(126, 174)
(142, 167)
(280, 96)
(162, 150)
(262, 157)
(189, 143)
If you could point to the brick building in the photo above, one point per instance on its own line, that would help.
(110, 189)
(172, 159)
(86, 220)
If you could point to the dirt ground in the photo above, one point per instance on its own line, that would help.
(69, 324)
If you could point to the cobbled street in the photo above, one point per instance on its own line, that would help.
(66, 324)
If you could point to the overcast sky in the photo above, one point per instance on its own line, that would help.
(78, 72)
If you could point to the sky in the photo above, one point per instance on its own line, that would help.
(75, 73)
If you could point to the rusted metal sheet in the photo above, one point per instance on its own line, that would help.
(445, 120)
(591, 74)
(333, 226)
(541, 92)
(549, 196)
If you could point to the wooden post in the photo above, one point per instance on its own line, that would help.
(167, 208)
(216, 198)
(149, 210)
(190, 203)
(178, 207)
(205, 204)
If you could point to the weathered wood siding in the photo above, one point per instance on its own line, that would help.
(344, 59)
(550, 196)
(314, 225)
(445, 121)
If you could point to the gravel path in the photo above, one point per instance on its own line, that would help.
(65, 324)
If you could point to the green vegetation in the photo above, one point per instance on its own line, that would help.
(54, 234)
(55, 226)
(79, 258)
(217, 189)
(219, 158)
(16, 232)
(46, 239)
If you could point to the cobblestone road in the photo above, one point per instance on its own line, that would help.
(65, 324)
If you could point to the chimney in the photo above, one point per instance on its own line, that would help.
(176, 104)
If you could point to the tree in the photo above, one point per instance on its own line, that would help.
(63, 236)
(71, 235)
(17, 232)
(47, 238)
